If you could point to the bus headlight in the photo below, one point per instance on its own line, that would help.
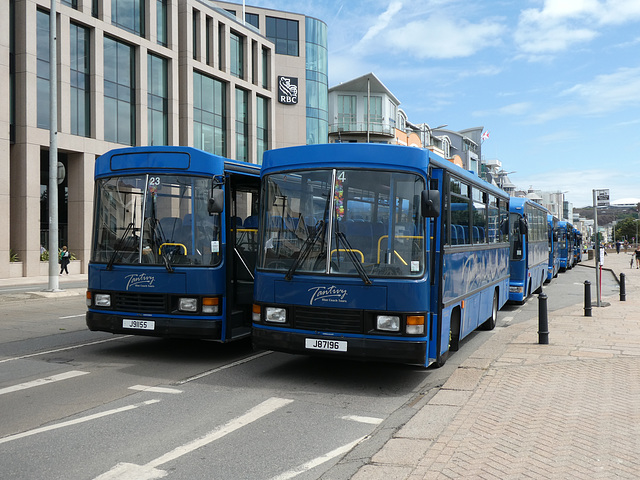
(513, 289)
(188, 304)
(211, 305)
(275, 315)
(415, 325)
(102, 300)
(388, 323)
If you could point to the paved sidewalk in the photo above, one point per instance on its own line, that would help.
(516, 409)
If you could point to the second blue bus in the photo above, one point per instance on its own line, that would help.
(376, 252)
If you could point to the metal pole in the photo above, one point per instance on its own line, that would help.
(595, 221)
(543, 320)
(587, 298)
(53, 151)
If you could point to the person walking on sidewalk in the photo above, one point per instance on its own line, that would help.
(64, 260)
(637, 252)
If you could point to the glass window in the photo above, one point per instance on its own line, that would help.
(128, 15)
(252, 19)
(460, 232)
(155, 219)
(265, 68)
(262, 120)
(119, 92)
(158, 101)
(284, 34)
(161, 22)
(347, 112)
(79, 81)
(515, 237)
(344, 222)
(237, 55)
(209, 114)
(242, 125)
(479, 217)
(42, 69)
(493, 223)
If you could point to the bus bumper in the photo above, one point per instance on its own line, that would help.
(172, 327)
(410, 352)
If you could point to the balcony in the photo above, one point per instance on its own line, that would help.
(376, 128)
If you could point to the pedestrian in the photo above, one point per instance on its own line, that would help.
(64, 260)
(618, 246)
(637, 252)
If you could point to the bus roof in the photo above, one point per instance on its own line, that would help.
(365, 155)
(516, 204)
(170, 159)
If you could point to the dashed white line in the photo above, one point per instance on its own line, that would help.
(318, 461)
(42, 381)
(224, 367)
(22, 357)
(75, 422)
(130, 471)
(369, 420)
(144, 388)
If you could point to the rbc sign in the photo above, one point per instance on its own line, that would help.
(287, 90)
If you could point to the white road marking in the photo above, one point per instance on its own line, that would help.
(224, 367)
(144, 388)
(318, 461)
(64, 349)
(42, 381)
(71, 316)
(75, 422)
(369, 420)
(130, 471)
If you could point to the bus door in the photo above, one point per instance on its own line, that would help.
(242, 247)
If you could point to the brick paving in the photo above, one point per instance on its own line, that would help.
(516, 409)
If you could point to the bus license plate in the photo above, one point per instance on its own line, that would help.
(139, 324)
(332, 345)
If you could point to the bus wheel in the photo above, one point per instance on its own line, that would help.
(441, 360)
(454, 331)
(490, 324)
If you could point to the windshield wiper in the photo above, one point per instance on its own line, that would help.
(119, 245)
(306, 248)
(157, 238)
(352, 256)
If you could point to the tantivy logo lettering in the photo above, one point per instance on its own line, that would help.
(140, 280)
(328, 294)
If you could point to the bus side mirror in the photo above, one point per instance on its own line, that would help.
(430, 203)
(524, 226)
(216, 201)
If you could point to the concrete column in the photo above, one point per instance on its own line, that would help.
(80, 206)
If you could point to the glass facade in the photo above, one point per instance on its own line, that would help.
(242, 125)
(119, 92)
(237, 55)
(317, 67)
(158, 100)
(42, 39)
(128, 15)
(262, 133)
(161, 22)
(79, 81)
(284, 34)
(209, 114)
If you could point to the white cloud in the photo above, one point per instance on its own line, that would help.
(606, 93)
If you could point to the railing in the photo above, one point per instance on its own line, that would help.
(361, 127)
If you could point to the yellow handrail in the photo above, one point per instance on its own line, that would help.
(172, 244)
(348, 250)
(396, 253)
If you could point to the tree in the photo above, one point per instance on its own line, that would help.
(627, 229)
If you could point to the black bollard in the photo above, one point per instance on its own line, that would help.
(543, 320)
(623, 292)
(587, 298)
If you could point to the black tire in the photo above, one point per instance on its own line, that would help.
(490, 324)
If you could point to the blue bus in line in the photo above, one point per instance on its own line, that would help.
(174, 244)
(529, 242)
(376, 252)
(577, 246)
(554, 257)
(565, 244)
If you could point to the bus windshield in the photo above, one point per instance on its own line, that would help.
(155, 219)
(343, 222)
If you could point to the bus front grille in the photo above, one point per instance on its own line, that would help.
(328, 319)
(140, 302)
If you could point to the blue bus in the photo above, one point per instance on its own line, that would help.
(554, 256)
(174, 244)
(577, 246)
(565, 244)
(376, 252)
(529, 248)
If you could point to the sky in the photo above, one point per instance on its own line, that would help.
(556, 83)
